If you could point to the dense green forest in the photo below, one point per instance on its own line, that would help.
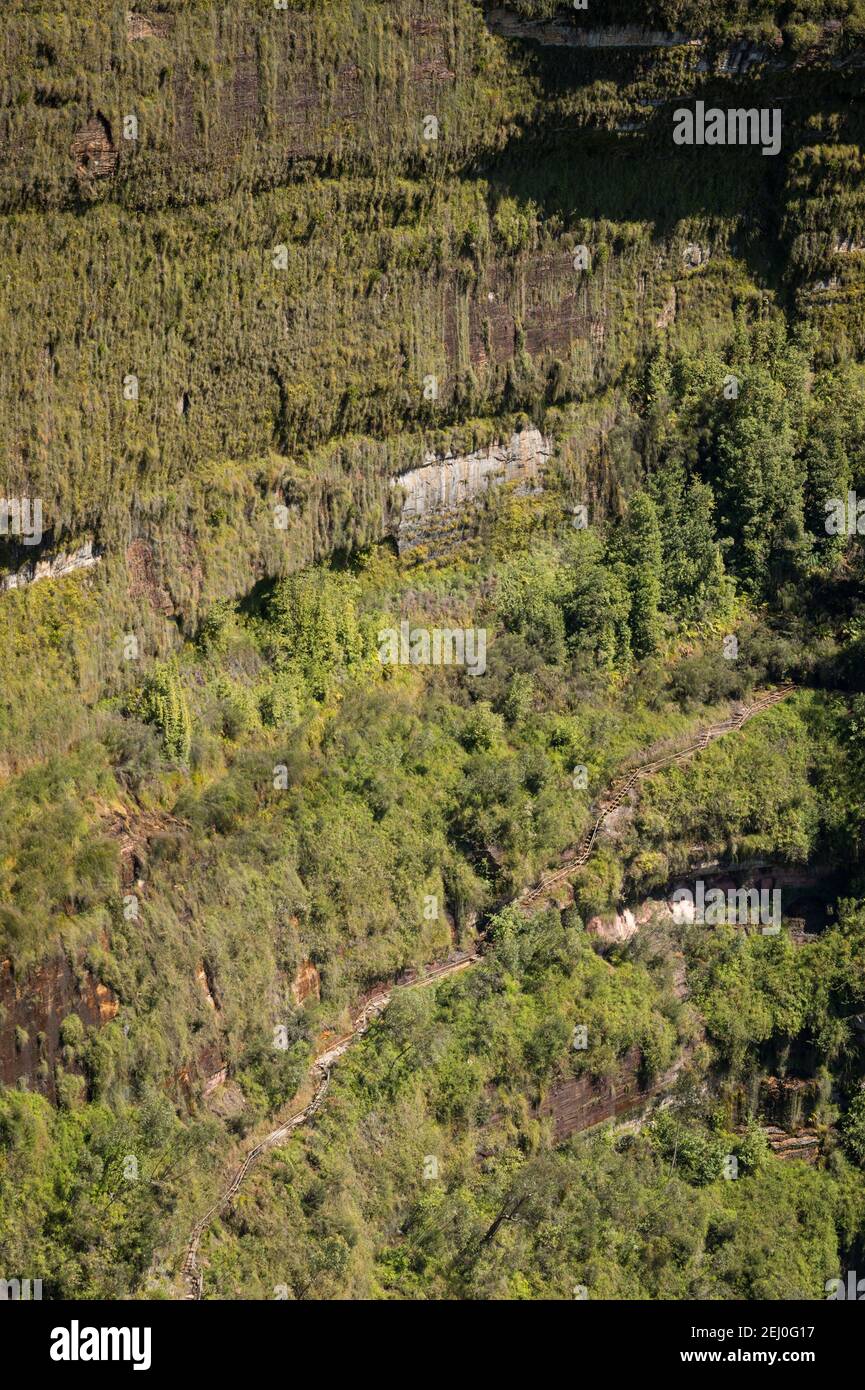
(232, 344)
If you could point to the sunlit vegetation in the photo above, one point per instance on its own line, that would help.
(223, 814)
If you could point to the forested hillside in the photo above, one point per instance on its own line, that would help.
(329, 327)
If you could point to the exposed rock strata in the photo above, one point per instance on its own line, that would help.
(579, 1102)
(436, 495)
(32, 1011)
(51, 567)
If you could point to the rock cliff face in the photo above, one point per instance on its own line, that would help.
(51, 567)
(436, 496)
(260, 386)
(222, 94)
(804, 893)
(139, 26)
(306, 983)
(32, 1012)
(786, 1102)
(575, 32)
(733, 58)
(578, 1103)
(255, 131)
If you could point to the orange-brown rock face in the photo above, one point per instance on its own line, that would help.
(32, 1011)
(306, 983)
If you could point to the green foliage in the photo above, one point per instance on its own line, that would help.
(273, 796)
(445, 1075)
(483, 728)
(693, 584)
(744, 797)
(314, 627)
(640, 559)
(754, 990)
(853, 1128)
(163, 703)
(216, 628)
(517, 702)
(697, 1156)
(56, 862)
(73, 1206)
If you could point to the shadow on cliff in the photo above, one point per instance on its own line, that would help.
(572, 168)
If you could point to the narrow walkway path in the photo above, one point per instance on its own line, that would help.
(321, 1067)
(320, 1076)
(617, 793)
